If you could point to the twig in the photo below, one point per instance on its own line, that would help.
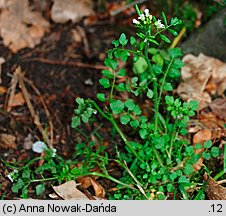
(44, 105)
(124, 7)
(31, 109)
(178, 38)
(84, 40)
(12, 90)
(73, 64)
(135, 179)
(221, 182)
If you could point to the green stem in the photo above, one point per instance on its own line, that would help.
(156, 108)
(162, 30)
(108, 177)
(44, 179)
(157, 156)
(164, 81)
(155, 89)
(100, 110)
(112, 120)
(219, 175)
(89, 173)
(172, 138)
(125, 140)
(112, 87)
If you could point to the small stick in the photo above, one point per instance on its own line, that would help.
(178, 38)
(73, 64)
(221, 182)
(85, 41)
(31, 109)
(44, 105)
(124, 7)
(12, 90)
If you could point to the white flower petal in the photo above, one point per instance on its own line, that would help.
(9, 176)
(159, 24)
(38, 147)
(141, 17)
(136, 22)
(146, 11)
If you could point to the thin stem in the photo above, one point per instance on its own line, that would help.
(125, 140)
(100, 110)
(157, 156)
(112, 87)
(156, 107)
(164, 81)
(162, 30)
(219, 175)
(172, 138)
(112, 120)
(44, 179)
(108, 177)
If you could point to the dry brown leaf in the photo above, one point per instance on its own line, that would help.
(216, 125)
(84, 181)
(214, 190)
(3, 90)
(99, 190)
(69, 191)
(20, 27)
(71, 10)
(202, 76)
(201, 137)
(18, 100)
(218, 107)
(7, 141)
(2, 3)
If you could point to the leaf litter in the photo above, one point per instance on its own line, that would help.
(202, 77)
(20, 26)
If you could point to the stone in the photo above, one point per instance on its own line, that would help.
(209, 39)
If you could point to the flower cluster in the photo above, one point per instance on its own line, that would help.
(146, 18)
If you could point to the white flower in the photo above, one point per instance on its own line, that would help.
(150, 17)
(136, 22)
(39, 147)
(95, 112)
(10, 177)
(159, 24)
(141, 17)
(54, 152)
(146, 11)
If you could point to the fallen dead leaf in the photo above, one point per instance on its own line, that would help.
(201, 137)
(71, 10)
(7, 141)
(3, 90)
(99, 190)
(87, 181)
(202, 76)
(20, 27)
(69, 191)
(213, 123)
(2, 3)
(84, 181)
(18, 100)
(214, 190)
(218, 107)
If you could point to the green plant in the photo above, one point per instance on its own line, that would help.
(157, 161)
(160, 160)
